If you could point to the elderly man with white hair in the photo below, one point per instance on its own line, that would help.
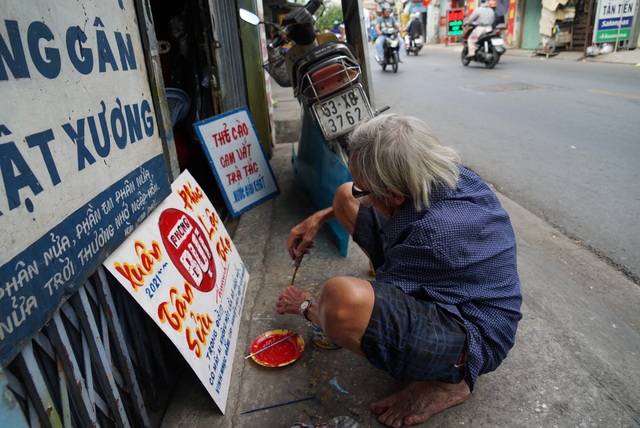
(445, 303)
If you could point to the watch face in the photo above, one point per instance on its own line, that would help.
(305, 305)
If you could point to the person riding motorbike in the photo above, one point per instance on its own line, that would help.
(386, 21)
(413, 28)
(482, 18)
(337, 30)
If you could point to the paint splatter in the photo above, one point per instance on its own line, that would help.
(334, 382)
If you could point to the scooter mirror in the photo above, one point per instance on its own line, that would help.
(249, 17)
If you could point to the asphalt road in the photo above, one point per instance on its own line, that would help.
(561, 138)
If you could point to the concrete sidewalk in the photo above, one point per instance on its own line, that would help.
(575, 362)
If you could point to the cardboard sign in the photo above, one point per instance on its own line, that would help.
(238, 160)
(181, 266)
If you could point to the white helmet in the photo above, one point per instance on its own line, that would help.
(416, 15)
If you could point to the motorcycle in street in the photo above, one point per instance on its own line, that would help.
(391, 49)
(490, 47)
(326, 79)
(412, 44)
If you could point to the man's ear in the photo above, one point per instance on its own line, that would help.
(397, 197)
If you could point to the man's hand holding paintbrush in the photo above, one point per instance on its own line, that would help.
(295, 300)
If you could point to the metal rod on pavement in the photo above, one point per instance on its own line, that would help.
(279, 404)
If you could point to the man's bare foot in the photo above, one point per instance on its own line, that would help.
(290, 299)
(418, 401)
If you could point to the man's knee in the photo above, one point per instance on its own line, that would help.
(344, 298)
(346, 304)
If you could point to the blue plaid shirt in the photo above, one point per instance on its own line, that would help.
(461, 254)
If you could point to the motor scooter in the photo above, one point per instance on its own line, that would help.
(325, 76)
(391, 49)
(490, 47)
(412, 44)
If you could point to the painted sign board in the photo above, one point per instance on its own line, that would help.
(81, 160)
(614, 20)
(238, 160)
(181, 266)
(455, 18)
(420, 6)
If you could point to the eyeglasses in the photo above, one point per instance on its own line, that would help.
(357, 193)
(361, 195)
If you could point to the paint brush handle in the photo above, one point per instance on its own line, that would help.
(296, 265)
(269, 346)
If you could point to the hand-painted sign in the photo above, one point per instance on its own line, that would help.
(614, 20)
(420, 6)
(181, 266)
(238, 160)
(80, 154)
(455, 17)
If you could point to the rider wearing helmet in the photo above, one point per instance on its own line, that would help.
(499, 19)
(482, 19)
(337, 30)
(413, 29)
(386, 21)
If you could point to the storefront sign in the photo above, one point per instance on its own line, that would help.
(238, 160)
(181, 266)
(455, 17)
(420, 6)
(614, 20)
(80, 154)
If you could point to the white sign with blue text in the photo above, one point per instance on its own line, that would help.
(81, 157)
(238, 160)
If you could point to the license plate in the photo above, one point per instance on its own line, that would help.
(342, 113)
(497, 42)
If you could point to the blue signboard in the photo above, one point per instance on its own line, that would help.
(54, 266)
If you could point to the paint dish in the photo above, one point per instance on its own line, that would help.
(282, 354)
(321, 339)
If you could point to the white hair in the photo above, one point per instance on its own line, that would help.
(400, 153)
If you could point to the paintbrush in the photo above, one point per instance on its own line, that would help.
(269, 346)
(296, 265)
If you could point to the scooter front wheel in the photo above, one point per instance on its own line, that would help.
(463, 57)
(396, 60)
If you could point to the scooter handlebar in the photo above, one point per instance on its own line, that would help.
(298, 25)
(313, 5)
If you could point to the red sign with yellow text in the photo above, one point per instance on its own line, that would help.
(181, 266)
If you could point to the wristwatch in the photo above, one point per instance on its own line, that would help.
(304, 307)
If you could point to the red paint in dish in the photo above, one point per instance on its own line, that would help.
(278, 355)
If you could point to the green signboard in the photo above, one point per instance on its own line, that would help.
(614, 20)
